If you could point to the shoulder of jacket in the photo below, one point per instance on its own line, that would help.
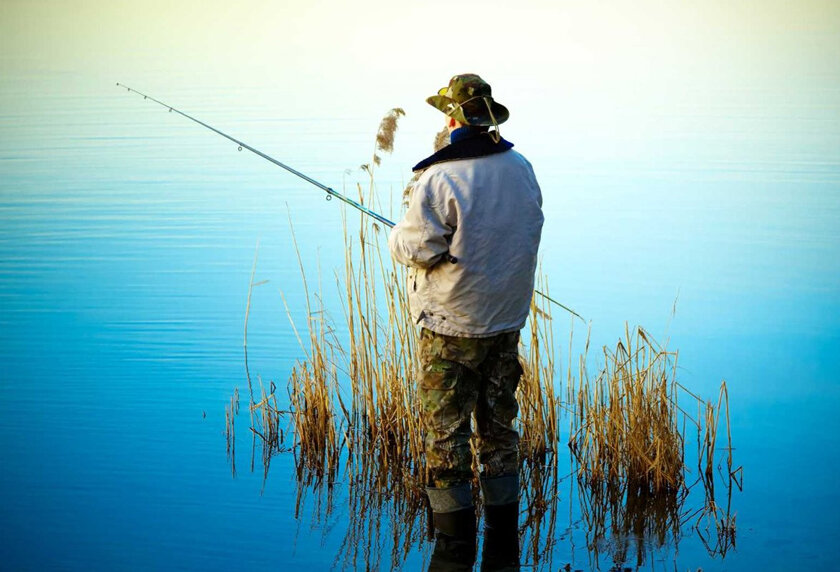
(515, 155)
(432, 184)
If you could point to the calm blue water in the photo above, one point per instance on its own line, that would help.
(127, 237)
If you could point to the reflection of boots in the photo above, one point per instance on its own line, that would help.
(455, 537)
(501, 538)
(501, 522)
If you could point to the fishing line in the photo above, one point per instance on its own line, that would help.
(330, 191)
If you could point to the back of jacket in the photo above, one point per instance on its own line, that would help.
(487, 213)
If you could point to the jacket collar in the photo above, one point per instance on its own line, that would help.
(466, 143)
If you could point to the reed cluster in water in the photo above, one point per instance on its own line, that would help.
(354, 414)
(627, 436)
(625, 423)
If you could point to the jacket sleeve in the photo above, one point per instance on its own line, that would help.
(424, 234)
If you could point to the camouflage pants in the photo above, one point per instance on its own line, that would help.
(460, 377)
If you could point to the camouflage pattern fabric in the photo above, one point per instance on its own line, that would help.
(469, 99)
(460, 377)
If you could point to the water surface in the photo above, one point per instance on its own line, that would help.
(127, 237)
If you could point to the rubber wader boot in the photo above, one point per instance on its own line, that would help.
(455, 539)
(501, 538)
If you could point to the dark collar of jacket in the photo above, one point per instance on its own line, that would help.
(466, 143)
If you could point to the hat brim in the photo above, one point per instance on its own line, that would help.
(472, 113)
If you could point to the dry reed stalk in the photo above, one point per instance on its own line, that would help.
(312, 396)
(250, 289)
(251, 285)
(382, 452)
(266, 416)
(381, 360)
(539, 407)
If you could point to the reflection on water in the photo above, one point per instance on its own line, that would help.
(622, 524)
(627, 521)
(630, 523)
(625, 517)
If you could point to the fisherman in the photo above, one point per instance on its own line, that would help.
(470, 238)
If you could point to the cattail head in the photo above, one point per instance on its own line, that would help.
(387, 130)
(441, 139)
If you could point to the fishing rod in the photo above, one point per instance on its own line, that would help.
(242, 145)
(330, 191)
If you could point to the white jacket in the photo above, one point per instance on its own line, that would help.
(486, 212)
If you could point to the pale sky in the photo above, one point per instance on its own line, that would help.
(376, 50)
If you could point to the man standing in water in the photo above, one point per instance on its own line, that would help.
(470, 238)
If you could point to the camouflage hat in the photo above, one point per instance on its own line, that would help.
(468, 99)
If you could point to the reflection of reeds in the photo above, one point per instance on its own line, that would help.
(622, 517)
(713, 516)
(231, 411)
